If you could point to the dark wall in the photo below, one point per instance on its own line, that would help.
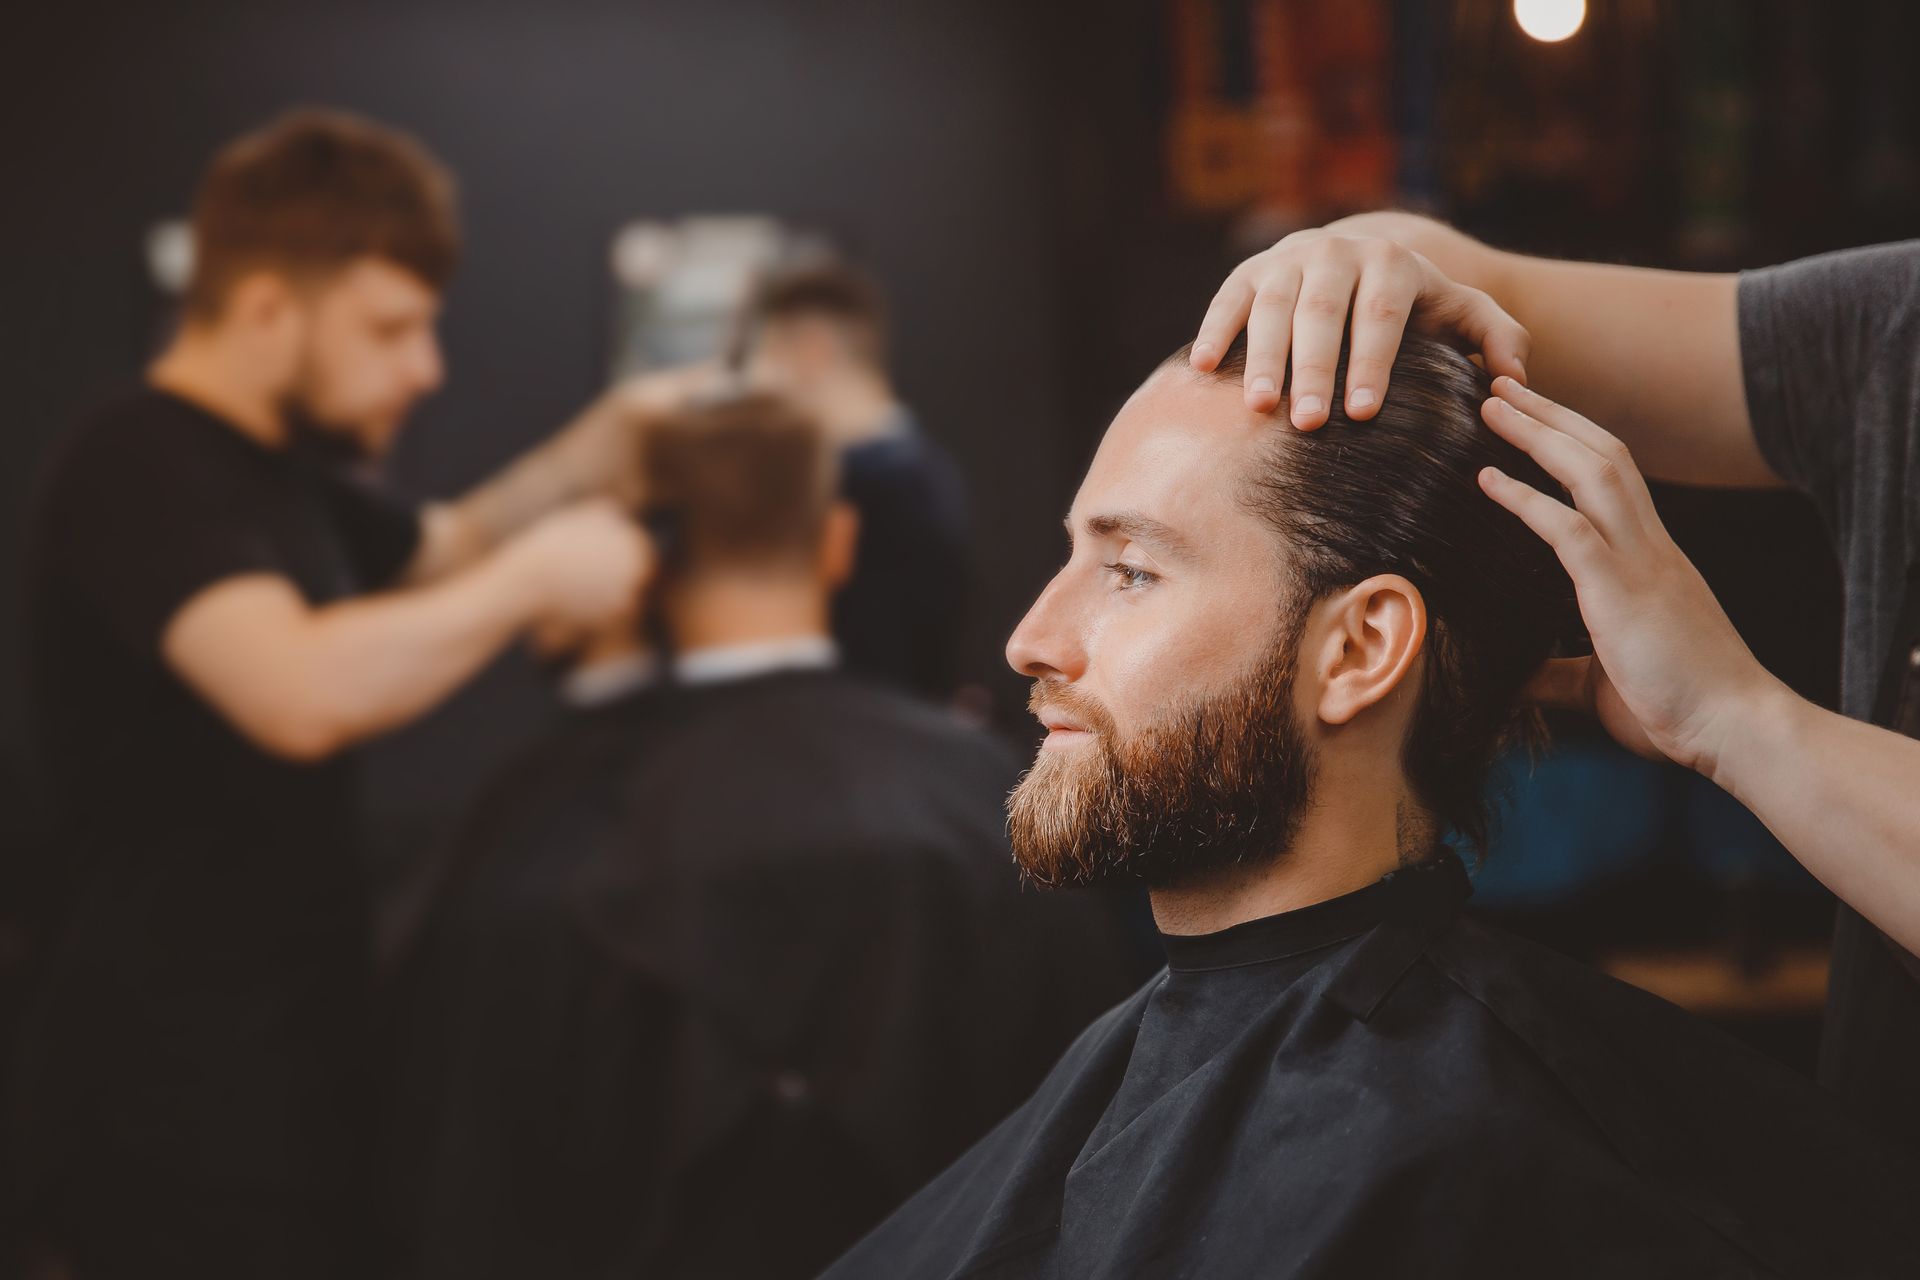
(911, 130)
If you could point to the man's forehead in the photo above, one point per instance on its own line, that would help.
(1172, 465)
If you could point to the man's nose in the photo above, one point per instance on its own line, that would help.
(1047, 643)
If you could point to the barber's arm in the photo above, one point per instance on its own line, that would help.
(1654, 354)
(592, 456)
(303, 682)
(1671, 678)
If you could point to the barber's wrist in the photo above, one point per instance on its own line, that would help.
(1754, 729)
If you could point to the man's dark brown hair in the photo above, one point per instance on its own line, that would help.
(842, 295)
(744, 483)
(1400, 494)
(310, 194)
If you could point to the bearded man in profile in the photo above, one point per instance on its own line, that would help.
(1275, 670)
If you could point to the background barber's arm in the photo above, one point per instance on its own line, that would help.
(1671, 678)
(304, 683)
(591, 457)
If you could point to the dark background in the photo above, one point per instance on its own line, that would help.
(1001, 166)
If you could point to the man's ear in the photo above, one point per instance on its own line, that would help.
(838, 538)
(260, 301)
(1362, 642)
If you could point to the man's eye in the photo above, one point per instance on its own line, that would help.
(1130, 576)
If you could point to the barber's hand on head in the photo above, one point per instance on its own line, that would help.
(584, 563)
(1295, 299)
(1667, 664)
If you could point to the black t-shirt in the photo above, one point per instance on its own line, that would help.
(203, 989)
(1830, 348)
(902, 618)
(147, 504)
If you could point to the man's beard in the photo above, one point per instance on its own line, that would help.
(1220, 784)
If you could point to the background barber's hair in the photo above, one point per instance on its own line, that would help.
(1399, 494)
(746, 483)
(841, 295)
(313, 192)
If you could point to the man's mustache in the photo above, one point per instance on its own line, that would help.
(1058, 696)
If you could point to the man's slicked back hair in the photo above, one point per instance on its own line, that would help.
(1399, 494)
(747, 483)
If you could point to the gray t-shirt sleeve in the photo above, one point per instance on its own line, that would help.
(1830, 347)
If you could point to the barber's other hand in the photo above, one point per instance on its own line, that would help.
(1296, 298)
(584, 563)
(663, 391)
(1669, 675)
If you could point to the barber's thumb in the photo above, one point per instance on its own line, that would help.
(1563, 684)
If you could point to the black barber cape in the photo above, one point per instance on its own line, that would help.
(722, 975)
(1375, 1086)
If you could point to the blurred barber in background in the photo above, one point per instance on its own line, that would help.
(219, 612)
(817, 335)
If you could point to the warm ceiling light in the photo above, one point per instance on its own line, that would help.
(1549, 21)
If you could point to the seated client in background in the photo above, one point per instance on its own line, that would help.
(735, 961)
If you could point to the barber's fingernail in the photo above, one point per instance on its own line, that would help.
(1360, 398)
(1263, 386)
(1307, 406)
(1202, 350)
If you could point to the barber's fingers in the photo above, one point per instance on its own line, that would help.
(1319, 323)
(1270, 334)
(1226, 316)
(1583, 552)
(1473, 320)
(1608, 493)
(1382, 303)
(1583, 429)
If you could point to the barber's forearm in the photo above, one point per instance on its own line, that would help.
(589, 457)
(1655, 355)
(378, 662)
(1842, 796)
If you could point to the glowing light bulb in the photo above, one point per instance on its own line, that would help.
(1550, 21)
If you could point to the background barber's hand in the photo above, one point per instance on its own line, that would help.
(584, 563)
(1668, 669)
(1295, 298)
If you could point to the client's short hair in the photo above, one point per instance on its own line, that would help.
(1399, 493)
(744, 483)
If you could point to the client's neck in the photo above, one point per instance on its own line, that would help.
(1358, 829)
(745, 608)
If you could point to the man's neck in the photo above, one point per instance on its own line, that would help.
(1340, 847)
(714, 612)
(199, 367)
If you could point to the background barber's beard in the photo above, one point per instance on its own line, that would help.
(1219, 784)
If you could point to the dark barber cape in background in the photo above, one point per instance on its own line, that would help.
(902, 617)
(718, 975)
(1377, 1086)
(186, 1099)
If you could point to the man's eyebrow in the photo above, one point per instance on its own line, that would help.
(1131, 524)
